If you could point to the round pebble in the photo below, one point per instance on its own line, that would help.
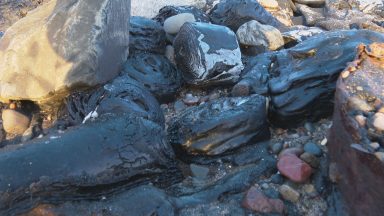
(312, 148)
(378, 121)
(15, 122)
(173, 24)
(289, 193)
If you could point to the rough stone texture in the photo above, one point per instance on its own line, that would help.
(235, 13)
(266, 37)
(311, 15)
(122, 95)
(173, 24)
(303, 78)
(169, 11)
(360, 171)
(156, 73)
(207, 54)
(146, 35)
(56, 53)
(255, 200)
(14, 122)
(115, 150)
(294, 168)
(220, 126)
(150, 8)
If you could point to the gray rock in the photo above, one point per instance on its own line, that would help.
(256, 34)
(199, 172)
(311, 15)
(67, 44)
(15, 122)
(173, 24)
(207, 54)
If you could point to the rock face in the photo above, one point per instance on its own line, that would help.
(233, 14)
(303, 78)
(156, 73)
(146, 35)
(122, 95)
(220, 126)
(169, 11)
(264, 37)
(361, 171)
(207, 54)
(57, 53)
(114, 149)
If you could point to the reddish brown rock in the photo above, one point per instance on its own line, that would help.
(255, 200)
(292, 151)
(294, 168)
(361, 173)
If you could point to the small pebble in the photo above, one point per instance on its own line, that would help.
(313, 149)
(380, 156)
(289, 193)
(310, 190)
(324, 142)
(345, 74)
(179, 106)
(378, 121)
(310, 159)
(309, 127)
(276, 147)
(361, 120)
(191, 100)
(173, 24)
(375, 145)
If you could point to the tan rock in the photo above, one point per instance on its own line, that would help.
(63, 45)
(15, 122)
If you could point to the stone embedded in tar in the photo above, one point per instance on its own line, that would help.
(146, 35)
(294, 168)
(219, 126)
(233, 14)
(207, 54)
(156, 73)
